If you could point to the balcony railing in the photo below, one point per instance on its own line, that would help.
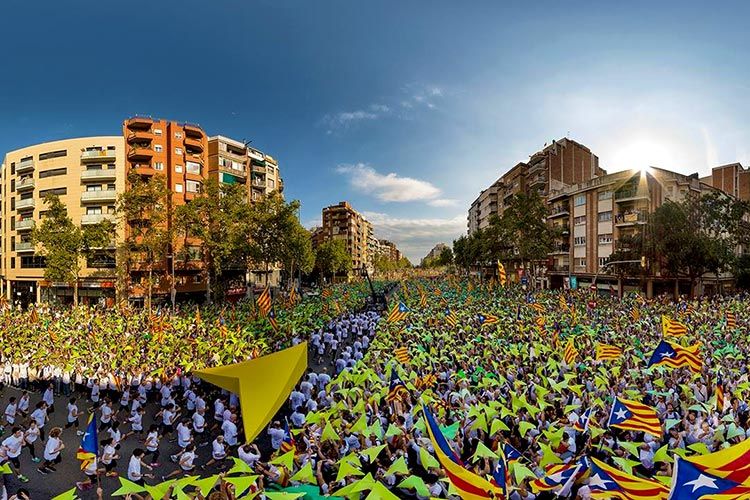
(99, 175)
(638, 217)
(24, 246)
(98, 155)
(560, 249)
(103, 195)
(560, 268)
(24, 166)
(27, 203)
(629, 194)
(558, 210)
(88, 219)
(23, 184)
(24, 224)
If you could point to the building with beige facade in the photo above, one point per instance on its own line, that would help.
(562, 163)
(342, 222)
(596, 217)
(87, 174)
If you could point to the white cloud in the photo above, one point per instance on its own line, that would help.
(388, 187)
(443, 202)
(346, 119)
(416, 237)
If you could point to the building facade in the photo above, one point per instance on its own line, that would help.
(733, 179)
(434, 253)
(596, 217)
(342, 222)
(562, 163)
(87, 174)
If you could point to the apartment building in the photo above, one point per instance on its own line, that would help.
(434, 253)
(342, 222)
(390, 250)
(562, 163)
(733, 179)
(233, 162)
(177, 152)
(87, 174)
(597, 216)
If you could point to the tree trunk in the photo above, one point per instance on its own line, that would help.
(75, 292)
(148, 290)
(208, 286)
(267, 266)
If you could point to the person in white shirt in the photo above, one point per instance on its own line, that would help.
(39, 415)
(218, 451)
(152, 444)
(134, 467)
(249, 454)
(229, 429)
(109, 457)
(199, 425)
(187, 463)
(106, 414)
(136, 423)
(73, 416)
(13, 445)
(23, 404)
(52, 451)
(30, 437)
(277, 435)
(10, 411)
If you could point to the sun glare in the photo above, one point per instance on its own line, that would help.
(640, 154)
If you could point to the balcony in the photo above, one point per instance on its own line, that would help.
(631, 195)
(140, 135)
(192, 131)
(103, 174)
(140, 122)
(89, 219)
(260, 169)
(631, 219)
(196, 144)
(259, 183)
(559, 268)
(560, 249)
(104, 195)
(25, 166)
(559, 211)
(23, 204)
(25, 225)
(98, 155)
(24, 184)
(143, 169)
(24, 246)
(140, 153)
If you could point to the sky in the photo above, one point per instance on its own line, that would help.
(405, 109)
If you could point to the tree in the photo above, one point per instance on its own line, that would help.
(144, 210)
(65, 245)
(268, 224)
(332, 257)
(214, 219)
(297, 253)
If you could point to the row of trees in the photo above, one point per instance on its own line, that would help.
(521, 235)
(445, 259)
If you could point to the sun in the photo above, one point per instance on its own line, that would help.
(641, 153)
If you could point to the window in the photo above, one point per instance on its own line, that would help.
(603, 260)
(178, 151)
(110, 187)
(13, 203)
(93, 210)
(13, 168)
(158, 165)
(580, 200)
(101, 260)
(271, 184)
(157, 131)
(33, 262)
(579, 241)
(58, 191)
(178, 169)
(178, 135)
(158, 148)
(579, 221)
(12, 262)
(193, 252)
(605, 216)
(111, 209)
(605, 239)
(94, 187)
(178, 188)
(193, 187)
(13, 184)
(54, 172)
(53, 154)
(192, 167)
(581, 262)
(605, 195)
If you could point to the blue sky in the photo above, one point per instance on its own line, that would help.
(406, 109)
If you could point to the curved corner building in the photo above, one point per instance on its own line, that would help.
(87, 173)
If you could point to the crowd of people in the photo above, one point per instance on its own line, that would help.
(509, 375)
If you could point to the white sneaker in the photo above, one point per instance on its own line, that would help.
(80, 433)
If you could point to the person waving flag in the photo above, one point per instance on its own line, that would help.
(570, 353)
(487, 319)
(264, 302)
(607, 482)
(450, 317)
(672, 328)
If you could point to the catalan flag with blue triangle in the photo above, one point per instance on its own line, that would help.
(690, 482)
(608, 482)
(89, 447)
(398, 312)
(634, 416)
(676, 356)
